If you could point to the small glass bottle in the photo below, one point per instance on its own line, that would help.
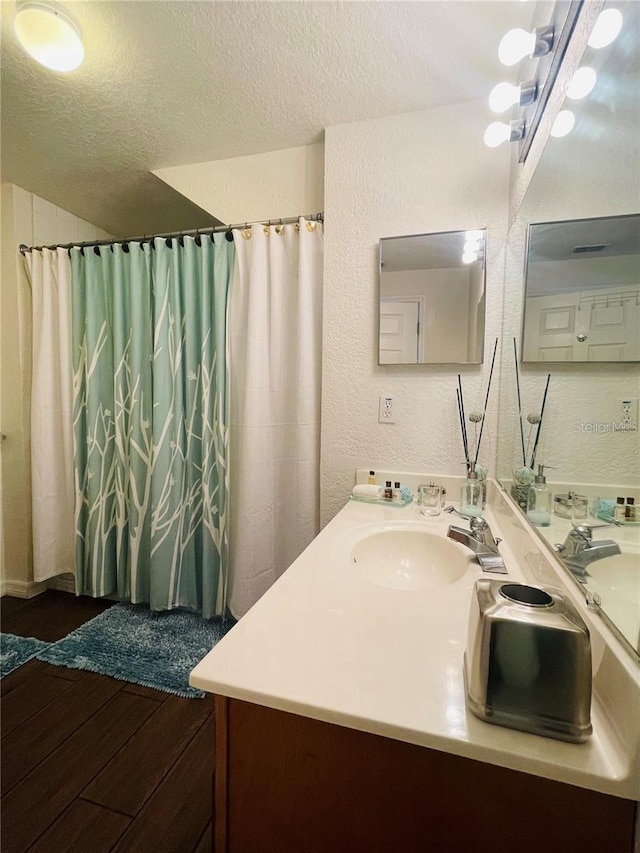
(471, 495)
(372, 478)
(388, 491)
(397, 494)
(630, 510)
(618, 510)
(539, 500)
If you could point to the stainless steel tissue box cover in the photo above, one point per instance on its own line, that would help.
(528, 661)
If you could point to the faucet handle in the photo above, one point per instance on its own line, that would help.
(465, 515)
(583, 531)
(586, 530)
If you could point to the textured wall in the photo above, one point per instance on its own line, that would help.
(28, 219)
(420, 172)
(263, 186)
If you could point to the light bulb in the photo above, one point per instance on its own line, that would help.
(563, 124)
(582, 83)
(515, 45)
(606, 28)
(49, 35)
(469, 257)
(497, 133)
(503, 96)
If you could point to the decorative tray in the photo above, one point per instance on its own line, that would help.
(382, 501)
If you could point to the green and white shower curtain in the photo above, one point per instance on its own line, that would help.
(150, 421)
(150, 481)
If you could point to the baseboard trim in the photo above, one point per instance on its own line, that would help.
(63, 583)
(22, 589)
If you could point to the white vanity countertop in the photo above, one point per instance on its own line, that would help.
(326, 644)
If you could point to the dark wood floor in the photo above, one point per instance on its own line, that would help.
(91, 764)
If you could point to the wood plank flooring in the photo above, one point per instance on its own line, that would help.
(91, 764)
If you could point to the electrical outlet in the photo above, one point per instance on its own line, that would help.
(385, 411)
(628, 413)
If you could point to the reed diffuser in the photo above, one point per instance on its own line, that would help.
(523, 476)
(472, 468)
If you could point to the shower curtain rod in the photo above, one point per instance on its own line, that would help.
(198, 232)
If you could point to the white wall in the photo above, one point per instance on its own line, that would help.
(274, 185)
(28, 219)
(407, 174)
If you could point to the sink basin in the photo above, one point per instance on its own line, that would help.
(619, 574)
(408, 559)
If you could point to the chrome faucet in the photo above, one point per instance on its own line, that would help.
(480, 540)
(579, 549)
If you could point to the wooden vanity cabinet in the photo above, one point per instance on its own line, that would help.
(289, 784)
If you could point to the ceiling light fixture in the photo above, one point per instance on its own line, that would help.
(606, 28)
(563, 124)
(582, 83)
(518, 43)
(49, 34)
(499, 132)
(506, 95)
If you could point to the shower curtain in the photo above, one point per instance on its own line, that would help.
(49, 274)
(149, 420)
(275, 325)
(178, 496)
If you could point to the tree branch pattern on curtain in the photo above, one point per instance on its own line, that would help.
(150, 394)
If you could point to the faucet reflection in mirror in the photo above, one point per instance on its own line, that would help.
(431, 306)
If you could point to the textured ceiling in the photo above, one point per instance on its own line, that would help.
(172, 83)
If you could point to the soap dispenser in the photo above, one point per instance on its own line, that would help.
(539, 500)
(471, 495)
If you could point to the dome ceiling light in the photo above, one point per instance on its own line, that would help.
(49, 34)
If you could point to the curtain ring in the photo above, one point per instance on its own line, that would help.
(311, 226)
(197, 239)
(246, 232)
(297, 227)
(266, 230)
(280, 228)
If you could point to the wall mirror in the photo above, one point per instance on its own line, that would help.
(582, 290)
(432, 298)
(592, 177)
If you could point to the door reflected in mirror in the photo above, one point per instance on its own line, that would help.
(432, 298)
(582, 297)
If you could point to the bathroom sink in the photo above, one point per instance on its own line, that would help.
(408, 559)
(619, 574)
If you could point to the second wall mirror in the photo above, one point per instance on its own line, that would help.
(432, 298)
(582, 299)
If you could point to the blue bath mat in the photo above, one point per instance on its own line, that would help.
(14, 651)
(133, 643)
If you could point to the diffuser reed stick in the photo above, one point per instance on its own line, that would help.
(535, 443)
(515, 355)
(463, 428)
(486, 400)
